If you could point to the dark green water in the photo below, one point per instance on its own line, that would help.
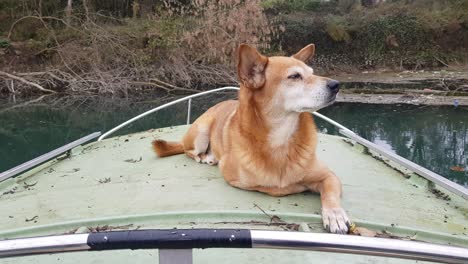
(434, 137)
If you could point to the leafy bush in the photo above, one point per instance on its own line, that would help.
(336, 29)
(4, 43)
(292, 5)
(394, 35)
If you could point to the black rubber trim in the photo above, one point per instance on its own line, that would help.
(171, 239)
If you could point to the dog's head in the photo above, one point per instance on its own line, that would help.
(286, 84)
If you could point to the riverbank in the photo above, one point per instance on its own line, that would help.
(443, 87)
(409, 98)
(98, 48)
(406, 77)
(447, 86)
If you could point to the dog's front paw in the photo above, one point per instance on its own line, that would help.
(335, 220)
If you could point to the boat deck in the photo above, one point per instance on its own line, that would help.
(119, 183)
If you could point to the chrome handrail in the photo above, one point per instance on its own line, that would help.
(371, 246)
(45, 157)
(425, 173)
(176, 239)
(165, 106)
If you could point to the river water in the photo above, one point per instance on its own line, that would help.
(434, 137)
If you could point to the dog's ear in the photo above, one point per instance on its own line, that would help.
(305, 53)
(251, 67)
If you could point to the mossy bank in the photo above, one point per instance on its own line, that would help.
(120, 48)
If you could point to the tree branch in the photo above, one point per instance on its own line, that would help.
(11, 76)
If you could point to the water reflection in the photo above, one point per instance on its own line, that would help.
(434, 137)
(33, 129)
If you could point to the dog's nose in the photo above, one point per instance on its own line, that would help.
(333, 85)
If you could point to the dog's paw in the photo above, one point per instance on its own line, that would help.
(209, 159)
(197, 159)
(335, 220)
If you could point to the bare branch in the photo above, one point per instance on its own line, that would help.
(68, 9)
(42, 18)
(173, 86)
(11, 76)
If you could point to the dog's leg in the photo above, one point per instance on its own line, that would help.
(197, 139)
(230, 170)
(334, 218)
(191, 154)
(200, 146)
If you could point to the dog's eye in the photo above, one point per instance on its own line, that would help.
(295, 76)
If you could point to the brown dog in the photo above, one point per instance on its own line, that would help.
(266, 140)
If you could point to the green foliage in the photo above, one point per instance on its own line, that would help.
(336, 29)
(399, 34)
(165, 34)
(292, 5)
(348, 5)
(4, 43)
(26, 29)
(10, 4)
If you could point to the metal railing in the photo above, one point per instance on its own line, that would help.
(189, 109)
(425, 173)
(49, 155)
(177, 244)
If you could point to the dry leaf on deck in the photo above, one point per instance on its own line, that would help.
(457, 168)
(361, 231)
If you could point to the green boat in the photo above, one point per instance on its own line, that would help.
(111, 200)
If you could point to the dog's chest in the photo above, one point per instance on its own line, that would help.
(279, 174)
(279, 137)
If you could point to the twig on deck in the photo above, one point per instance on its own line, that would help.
(263, 211)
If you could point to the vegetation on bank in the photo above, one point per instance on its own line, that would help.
(125, 46)
(402, 35)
